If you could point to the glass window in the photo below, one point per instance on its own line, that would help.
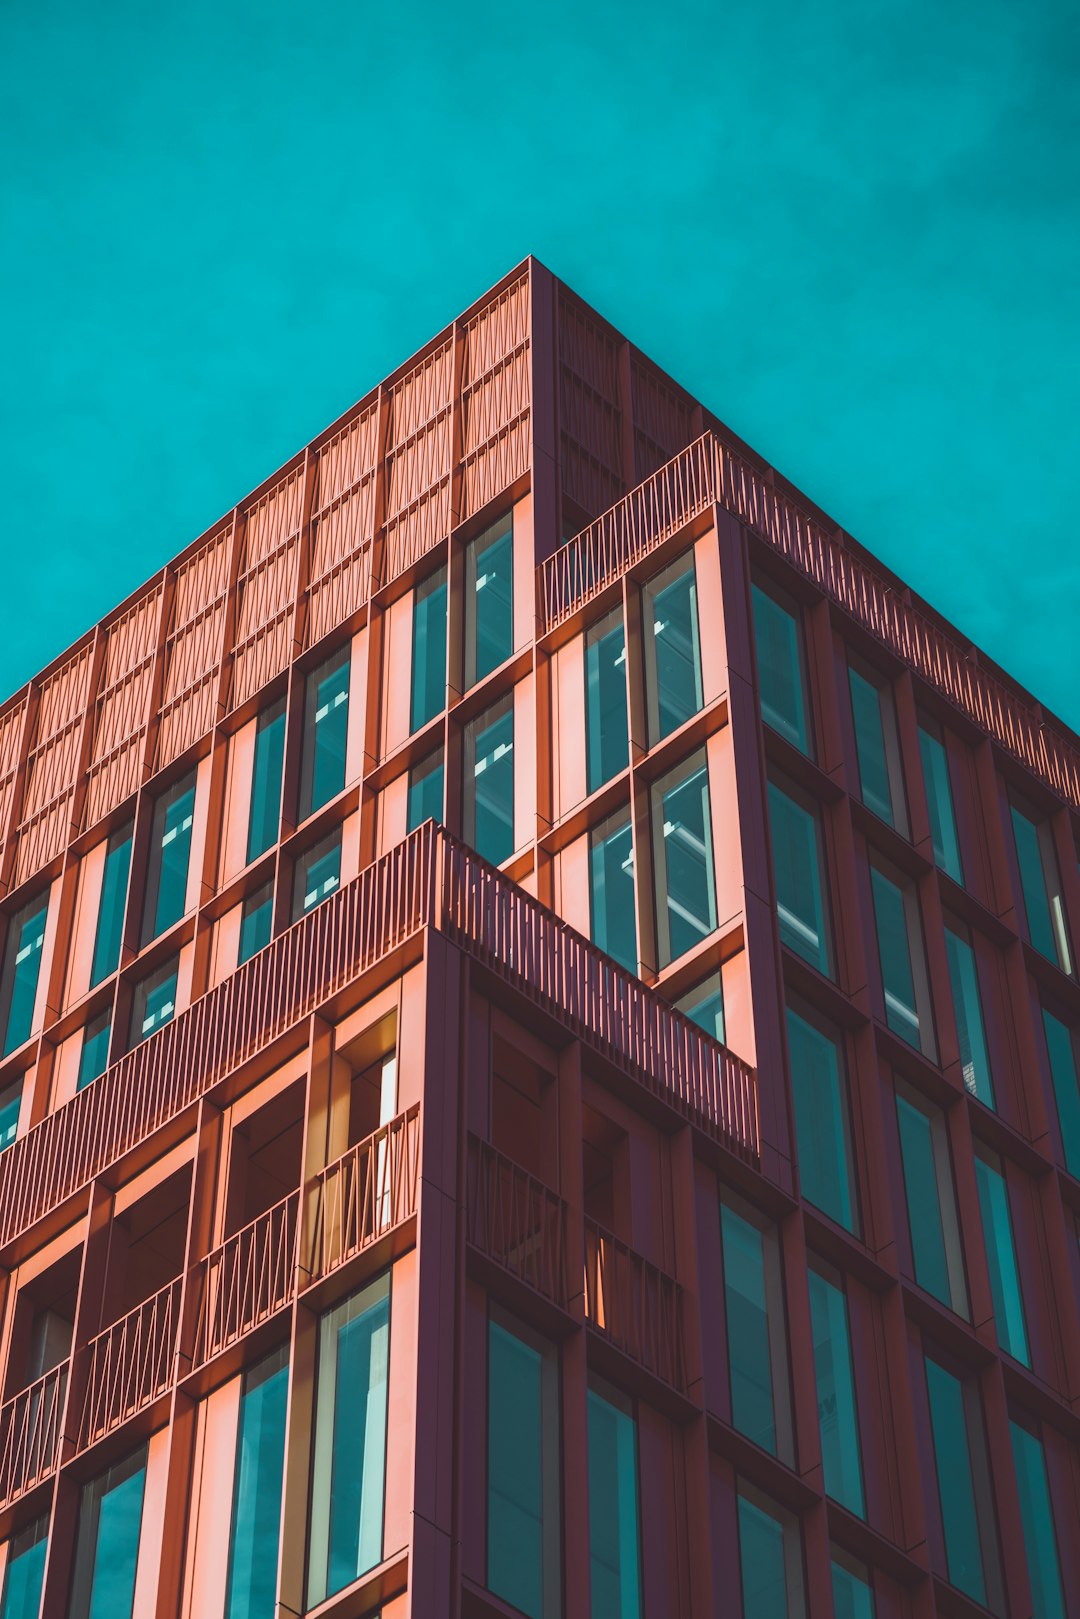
(266, 770)
(614, 1555)
(107, 1548)
(611, 890)
(25, 1571)
(349, 1461)
(778, 638)
(425, 791)
(686, 883)
(963, 1486)
(154, 1001)
(756, 1334)
(1061, 1049)
(704, 1005)
(523, 1557)
(326, 731)
(822, 1134)
(1043, 902)
(798, 867)
(489, 600)
(170, 852)
(853, 1595)
(899, 937)
(931, 1201)
(1001, 1253)
(22, 964)
(10, 1106)
(770, 1558)
(318, 874)
(1037, 1519)
(256, 922)
(94, 1057)
(967, 1009)
(877, 749)
(428, 650)
(939, 799)
(489, 782)
(607, 727)
(837, 1413)
(251, 1590)
(111, 908)
(672, 648)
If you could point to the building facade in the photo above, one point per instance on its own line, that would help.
(540, 1046)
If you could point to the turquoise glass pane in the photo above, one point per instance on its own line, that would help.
(901, 1011)
(10, 1104)
(94, 1057)
(491, 582)
(1062, 1053)
(704, 1005)
(874, 784)
(110, 922)
(956, 1487)
(689, 897)
(935, 763)
(852, 1597)
(256, 923)
(428, 651)
(493, 787)
(425, 793)
(1037, 1519)
(25, 1573)
(673, 626)
(359, 1446)
(326, 731)
(1033, 883)
(266, 772)
(753, 1410)
(173, 820)
(611, 883)
(1001, 1260)
(967, 1008)
(256, 1521)
(837, 1414)
(155, 1004)
(614, 1565)
(796, 848)
(116, 1547)
(779, 667)
(22, 964)
(318, 875)
(819, 1099)
(762, 1564)
(923, 1202)
(606, 725)
(515, 1527)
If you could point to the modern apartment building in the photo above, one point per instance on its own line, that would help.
(540, 1039)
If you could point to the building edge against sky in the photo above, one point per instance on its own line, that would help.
(684, 1213)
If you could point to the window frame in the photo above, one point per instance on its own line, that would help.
(551, 1537)
(152, 925)
(1052, 893)
(596, 635)
(613, 826)
(892, 756)
(500, 529)
(268, 716)
(431, 764)
(983, 1505)
(332, 663)
(680, 776)
(763, 587)
(776, 1325)
(825, 960)
(141, 991)
(944, 1173)
(476, 727)
(423, 591)
(933, 735)
(915, 940)
(651, 588)
(303, 863)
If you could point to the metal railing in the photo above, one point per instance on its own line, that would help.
(635, 1305)
(516, 1221)
(130, 1364)
(365, 1193)
(30, 1428)
(246, 1279)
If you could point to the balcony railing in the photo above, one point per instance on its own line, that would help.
(130, 1364)
(365, 1193)
(516, 1221)
(635, 1305)
(245, 1280)
(30, 1428)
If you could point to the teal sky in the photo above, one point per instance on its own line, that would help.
(852, 229)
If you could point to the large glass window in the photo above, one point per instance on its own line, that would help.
(489, 600)
(1037, 1519)
(822, 1133)
(251, 1591)
(756, 1334)
(1044, 905)
(614, 1556)
(672, 648)
(899, 937)
(428, 650)
(170, 852)
(425, 792)
(778, 638)
(611, 890)
(94, 1056)
(318, 874)
(25, 1571)
(22, 965)
(877, 748)
(967, 1009)
(326, 731)
(154, 1001)
(269, 760)
(523, 1556)
(837, 1413)
(798, 867)
(489, 782)
(931, 1201)
(686, 882)
(107, 1548)
(10, 1107)
(1001, 1253)
(1065, 1073)
(256, 922)
(770, 1558)
(704, 1005)
(939, 800)
(963, 1479)
(607, 728)
(853, 1594)
(349, 1462)
(111, 908)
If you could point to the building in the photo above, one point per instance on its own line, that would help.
(654, 1191)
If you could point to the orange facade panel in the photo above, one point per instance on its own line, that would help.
(52, 766)
(193, 648)
(266, 587)
(343, 524)
(496, 396)
(663, 418)
(590, 418)
(419, 456)
(122, 706)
